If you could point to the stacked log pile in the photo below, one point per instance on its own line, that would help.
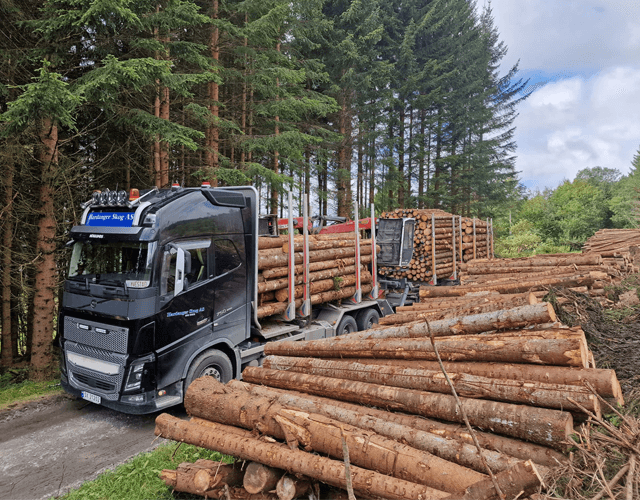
(332, 270)
(618, 248)
(609, 242)
(441, 241)
(586, 273)
(324, 411)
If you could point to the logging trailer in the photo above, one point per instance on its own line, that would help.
(162, 288)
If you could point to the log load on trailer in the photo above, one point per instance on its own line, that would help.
(171, 285)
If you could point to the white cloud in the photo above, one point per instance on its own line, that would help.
(570, 35)
(589, 114)
(577, 123)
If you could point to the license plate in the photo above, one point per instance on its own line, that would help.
(91, 397)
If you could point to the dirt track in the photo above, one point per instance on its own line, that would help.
(53, 445)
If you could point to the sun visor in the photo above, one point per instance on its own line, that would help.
(225, 198)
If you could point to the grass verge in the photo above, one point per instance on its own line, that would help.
(14, 388)
(139, 478)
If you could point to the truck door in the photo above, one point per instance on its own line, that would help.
(230, 283)
(187, 292)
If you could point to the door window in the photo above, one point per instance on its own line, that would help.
(196, 265)
(227, 258)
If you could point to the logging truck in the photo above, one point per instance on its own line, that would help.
(163, 287)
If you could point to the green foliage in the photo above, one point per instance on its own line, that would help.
(47, 98)
(522, 241)
(139, 478)
(625, 201)
(580, 209)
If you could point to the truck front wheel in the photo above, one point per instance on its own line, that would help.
(212, 363)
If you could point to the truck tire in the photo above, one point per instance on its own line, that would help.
(211, 363)
(347, 325)
(367, 318)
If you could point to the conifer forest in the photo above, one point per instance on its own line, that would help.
(401, 104)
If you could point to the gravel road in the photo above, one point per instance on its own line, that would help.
(53, 445)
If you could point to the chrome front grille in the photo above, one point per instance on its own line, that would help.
(104, 385)
(88, 333)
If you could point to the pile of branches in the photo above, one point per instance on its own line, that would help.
(604, 460)
(615, 343)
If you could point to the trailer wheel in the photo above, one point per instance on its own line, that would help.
(367, 318)
(347, 325)
(212, 363)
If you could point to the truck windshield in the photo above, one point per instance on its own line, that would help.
(117, 263)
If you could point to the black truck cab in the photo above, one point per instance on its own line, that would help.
(154, 284)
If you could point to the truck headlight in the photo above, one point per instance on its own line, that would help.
(136, 372)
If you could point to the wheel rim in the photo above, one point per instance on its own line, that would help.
(348, 328)
(212, 371)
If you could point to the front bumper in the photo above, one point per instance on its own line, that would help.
(151, 403)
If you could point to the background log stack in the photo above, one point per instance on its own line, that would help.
(473, 240)
(332, 268)
(618, 248)
(586, 273)
(521, 378)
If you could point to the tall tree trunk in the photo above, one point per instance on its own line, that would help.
(372, 170)
(401, 159)
(409, 175)
(164, 145)
(276, 155)
(343, 173)
(157, 164)
(360, 187)
(243, 118)
(213, 137)
(157, 169)
(307, 172)
(46, 272)
(421, 156)
(6, 358)
(438, 171)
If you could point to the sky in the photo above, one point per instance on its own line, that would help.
(583, 59)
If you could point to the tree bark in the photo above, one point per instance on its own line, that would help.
(203, 476)
(278, 272)
(267, 261)
(468, 301)
(517, 317)
(6, 357)
(323, 434)
(519, 482)
(319, 298)
(449, 438)
(375, 452)
(523, 391)
(323, 469)
(213, 134)
(324, 244)
(326, 285)
(525, 286)
(46, 270)
(289, 487)
(260, 478)
(570, 259)
(407, 316)
(270, 285)
(539, 425)
(569, 351)
(604, 381)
